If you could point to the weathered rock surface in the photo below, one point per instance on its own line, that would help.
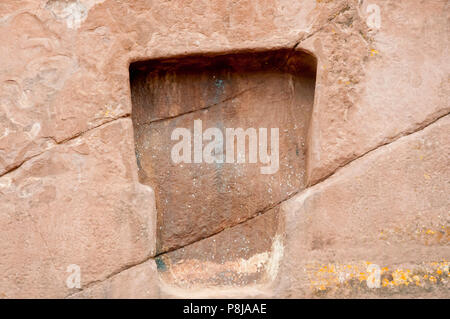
(65, 73)
(371, 212)
(69, 189)
(55, 214)
(374, 85)
(244, 255)
(391, 208)
(267, 91)
(138, 282)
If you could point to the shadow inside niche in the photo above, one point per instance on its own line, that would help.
(262, 90)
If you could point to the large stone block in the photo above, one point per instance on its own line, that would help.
(375, 85)
(390, 208)
(79, 203)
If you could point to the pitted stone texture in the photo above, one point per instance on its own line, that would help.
(74, 78)
(138, 282)
(64, 64)
(391, 208)
(376, 85)
(54, 214)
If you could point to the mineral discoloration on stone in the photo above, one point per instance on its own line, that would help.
(249, 91)
(73, 12)
(365, 212)
(350, 280)
(246, 254)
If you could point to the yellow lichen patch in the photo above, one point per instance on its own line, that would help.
(429, 232)
(400, 277)
(111, 110)
(362, 276)
(416, 280)
(328, 277)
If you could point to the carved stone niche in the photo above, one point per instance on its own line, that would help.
(272, 89)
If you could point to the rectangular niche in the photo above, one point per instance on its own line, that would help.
(273, 89)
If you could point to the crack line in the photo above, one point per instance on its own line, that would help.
(263, 211)
(68, 139)
(391, 140)
(201, 109)
(126, 267)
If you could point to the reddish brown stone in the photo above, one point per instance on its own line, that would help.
(63, 217)
(389, 208)
(254, 90)
(236, 257)
(69, 190)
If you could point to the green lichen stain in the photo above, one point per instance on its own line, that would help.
(160, 265)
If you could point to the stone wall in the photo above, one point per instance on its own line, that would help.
(370, 189)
